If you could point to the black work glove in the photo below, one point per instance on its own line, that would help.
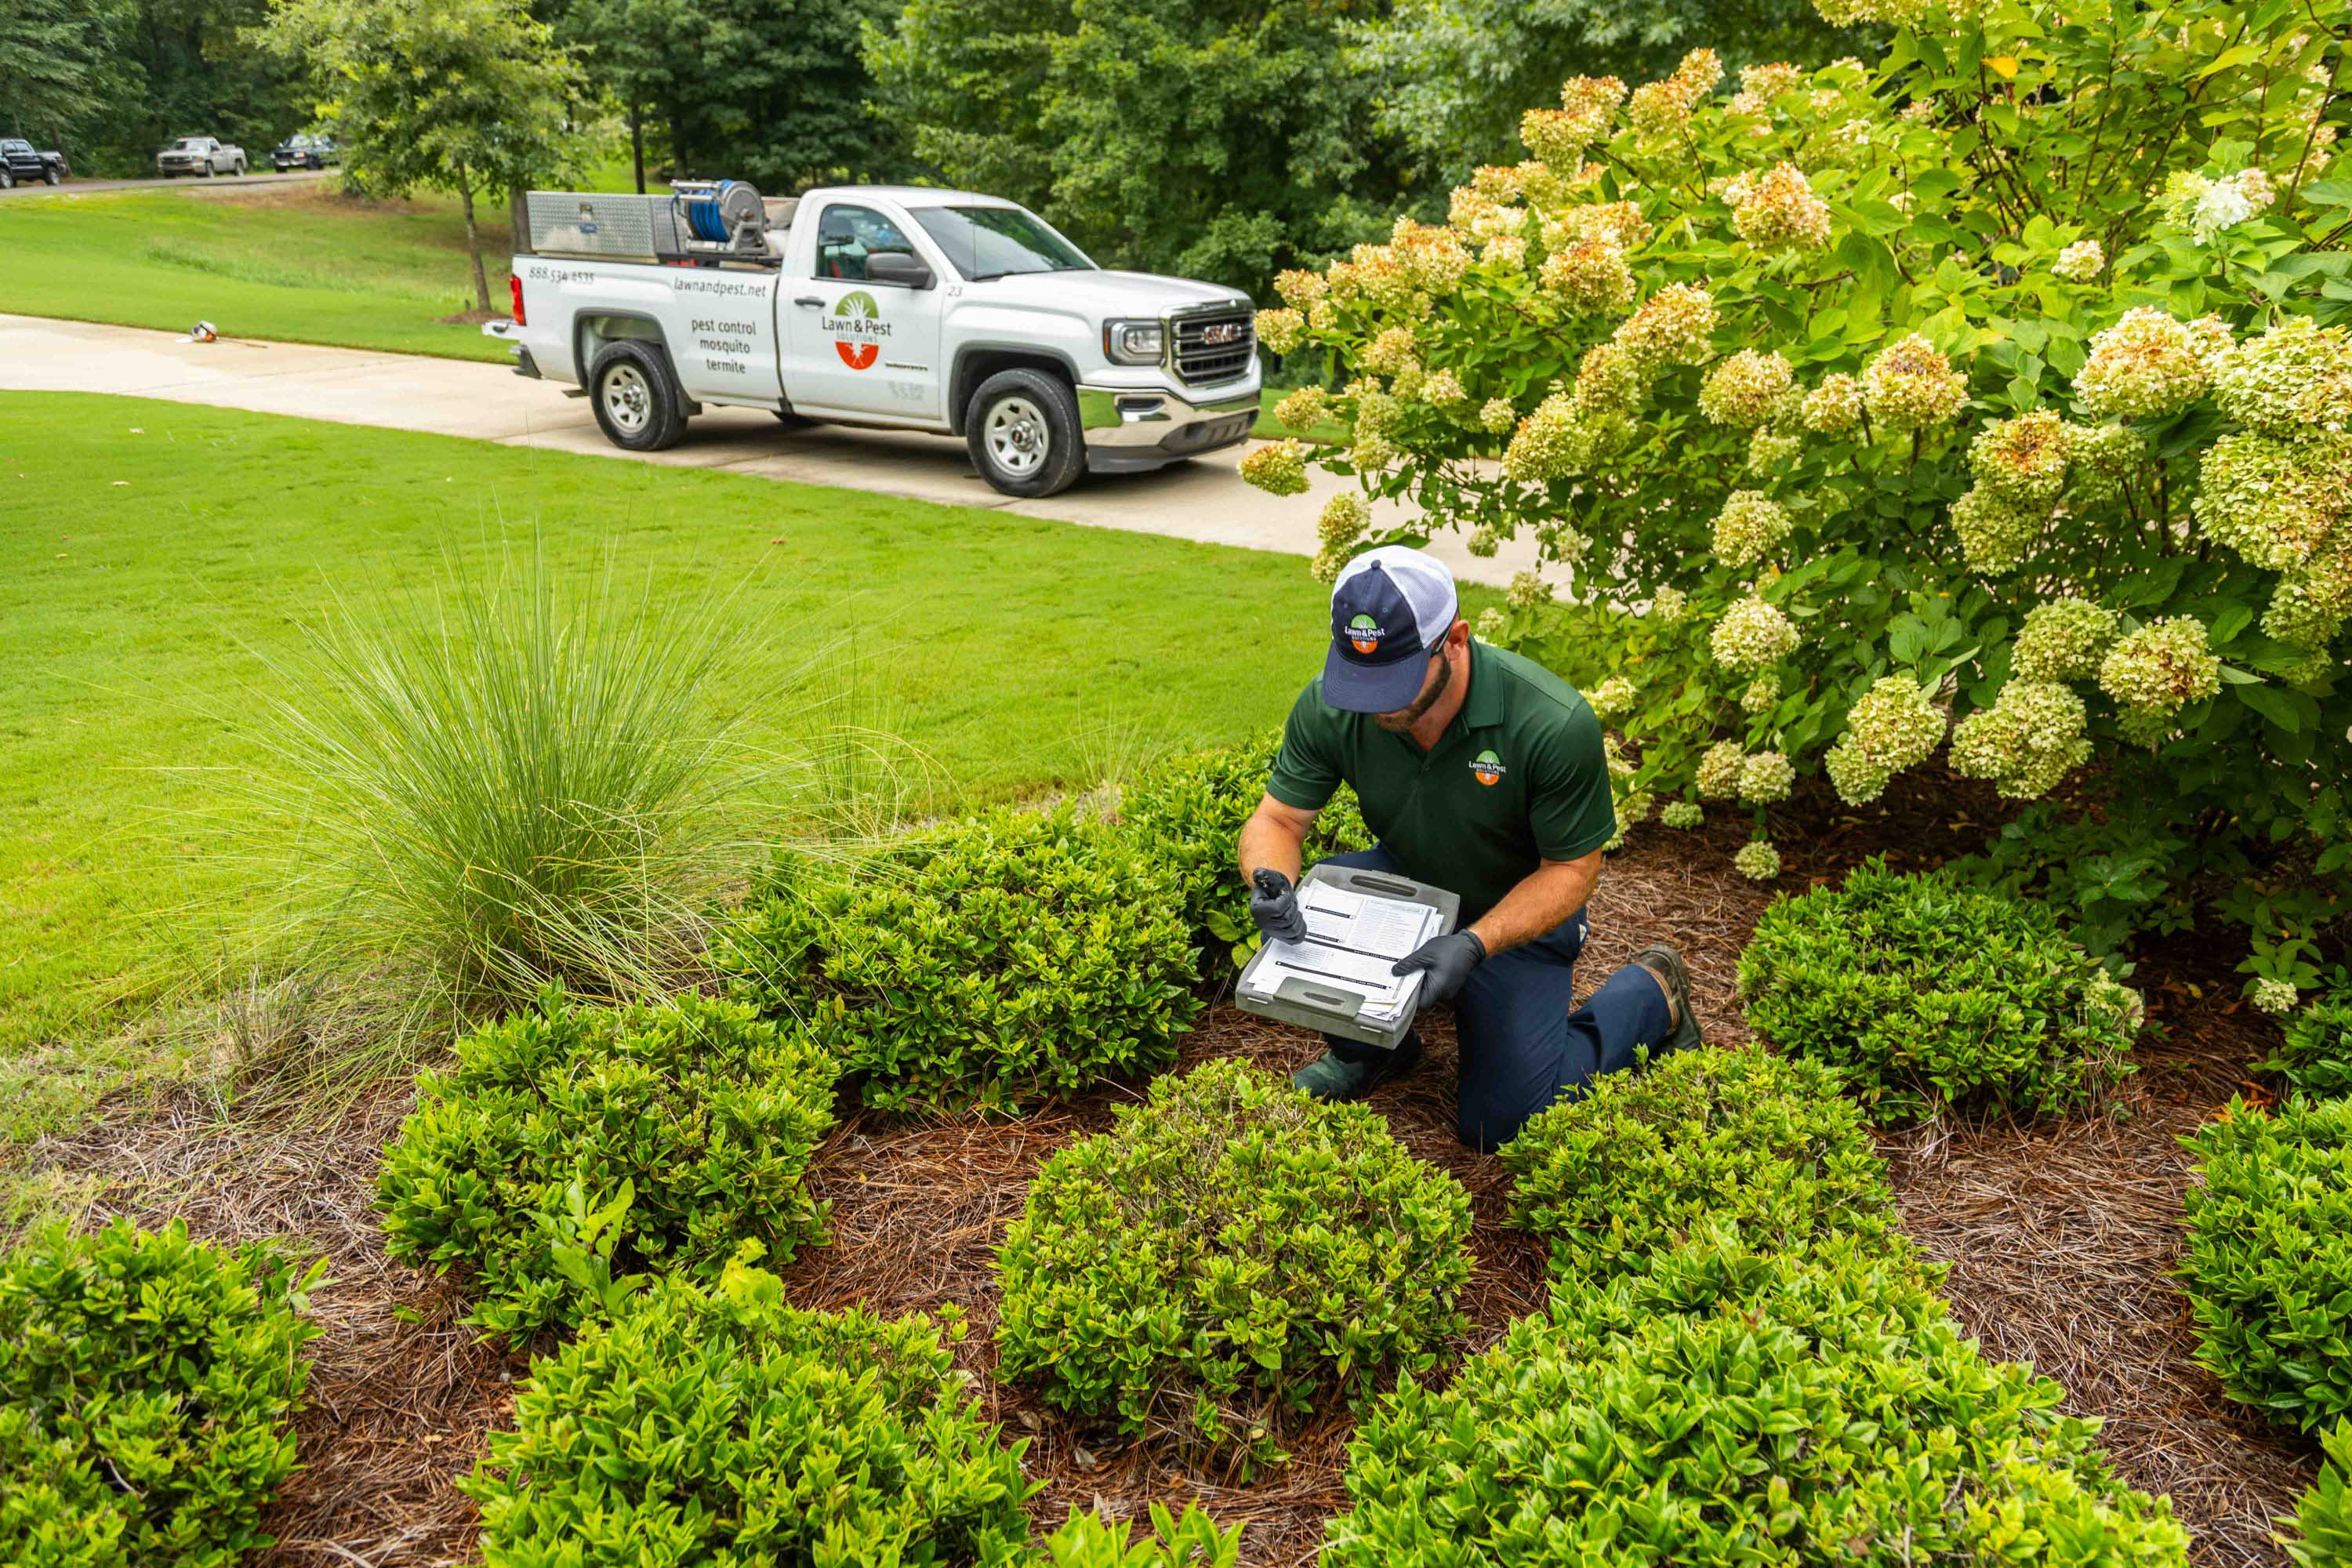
(1274, 905)
(1447, 960)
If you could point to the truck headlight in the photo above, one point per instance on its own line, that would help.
(1134, 343)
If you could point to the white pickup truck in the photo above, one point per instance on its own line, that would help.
(882, 306)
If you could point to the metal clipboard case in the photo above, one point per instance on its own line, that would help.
(1327, 1006)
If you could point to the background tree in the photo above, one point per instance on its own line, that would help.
(1215, 139)
(1455, 75)
(463, 96)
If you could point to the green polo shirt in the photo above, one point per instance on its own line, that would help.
(1518, 777)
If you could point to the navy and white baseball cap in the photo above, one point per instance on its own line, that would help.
(1390, 609)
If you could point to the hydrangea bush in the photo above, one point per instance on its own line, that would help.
(1185, 816)
(1231, 1251)
(1700, 1138)
(1731, 1407)
(147, 1383)
(2269, 1265)
(983, 963)
(572, 1149)
(1931, 995)
(1988, 401)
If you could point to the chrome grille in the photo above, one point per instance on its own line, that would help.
(1198, 361)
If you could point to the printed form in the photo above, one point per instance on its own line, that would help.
(1352, 940)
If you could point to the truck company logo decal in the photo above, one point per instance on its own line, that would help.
(1486, 768)
(858, 329)
(1365, 632)
(1217, 333)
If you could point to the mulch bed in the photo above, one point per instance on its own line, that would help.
(2060, 1240)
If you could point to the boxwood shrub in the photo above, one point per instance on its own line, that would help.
(1741, 1137)
(572, 1148)
(1185, 814)
(981, 962)
(2315, 1056)
(146, 1384)
(711, 1424)
(1731, 1407)
(2322, 1521)
(1932, 995)
(1088, 1540)
(1227, 1253)
(2269, 1265)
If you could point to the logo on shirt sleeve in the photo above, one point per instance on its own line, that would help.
(1486, 768)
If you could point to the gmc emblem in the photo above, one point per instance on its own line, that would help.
(1217, 333)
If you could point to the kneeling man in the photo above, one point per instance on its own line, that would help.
(1481, 772)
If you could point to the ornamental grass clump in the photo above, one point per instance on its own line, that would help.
(1627, 1171)
(2269, 1265)
(2316, 1052)
(571, 1150)
(1184, 816)
(712, 1424)
(1736, 1407)
(146, 1385)
(1931, 997)
(983, 962)
(1228, 1256)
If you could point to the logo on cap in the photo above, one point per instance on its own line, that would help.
(1486, 768)
(1366, 634)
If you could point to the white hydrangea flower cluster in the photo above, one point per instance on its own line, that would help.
(2148, 365)
(1300, 288)
(1609, 382)
(1834, 407)
(1345, 518)
(1673, 326)
(1762, 84)
(1443, 389)
(2022, 460)
(1765, 777)
(1559, 136)
(1664, 107)
(1492, 624)
(2293, 382)
(2276, 997)
(1770, 454)
(1718, 771)
(1762, 693)
(1303, 409)
(1668, 605)
(1890, 728)
(1612, 700)
(1496, 415)
(1527, 590)
(2106, 460)
(1756, 861)
(2206, 206)
(1777, 210)
(1434, 253)
(2081, 261)
(2109, 1002)
(2031, 738)
(1279, 468)
(1682, 814)
(1751, 526)
(2063, 640)
(1281, 329)
(1392, 351)
(1911, 385)
(1589, 276)
(1620, 221)
(1746, 389)
(1752, 634)
(2158, 669)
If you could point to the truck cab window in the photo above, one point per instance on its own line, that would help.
(846, 236)
(998, 242)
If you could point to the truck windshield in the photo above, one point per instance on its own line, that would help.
(188, 144)
(995, 242)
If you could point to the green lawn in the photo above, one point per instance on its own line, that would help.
(152, 547)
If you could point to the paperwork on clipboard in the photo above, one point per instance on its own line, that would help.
(1354, 938)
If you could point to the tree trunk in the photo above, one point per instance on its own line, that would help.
(473, 242)
(638, 144)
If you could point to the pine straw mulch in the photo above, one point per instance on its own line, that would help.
(2060, 1240)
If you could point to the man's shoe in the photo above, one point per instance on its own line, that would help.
(1331, 1077)
(1674, 976)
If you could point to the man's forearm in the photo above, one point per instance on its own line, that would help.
(1267, 841)
(1545, 897)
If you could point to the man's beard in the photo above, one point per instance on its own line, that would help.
(1405, 718)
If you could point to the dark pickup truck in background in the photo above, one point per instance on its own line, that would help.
(21, 164)
(306, 151)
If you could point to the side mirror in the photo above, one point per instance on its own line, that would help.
(898, 267)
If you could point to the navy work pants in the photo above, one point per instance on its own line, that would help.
(1522, 1047)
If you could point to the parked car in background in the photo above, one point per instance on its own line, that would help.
(203, 156)
(305, 151)
(21, 164)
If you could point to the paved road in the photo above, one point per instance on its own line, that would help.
(219, 184)
(1202, 500)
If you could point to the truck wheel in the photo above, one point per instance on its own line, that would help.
(1022, 426)
(209, 171)
(636, 398)
(240, 168)
(8, 179)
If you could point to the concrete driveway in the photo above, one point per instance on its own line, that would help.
(1202, 500)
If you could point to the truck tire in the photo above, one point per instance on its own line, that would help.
(8, 179)
(634, 394)
(240, 168)
(50, 176)
(209, 171)
(1022, 427)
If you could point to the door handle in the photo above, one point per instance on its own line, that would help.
(809, 299)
